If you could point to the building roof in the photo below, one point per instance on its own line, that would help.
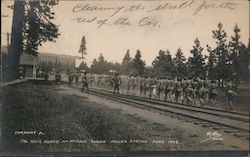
(27, 59)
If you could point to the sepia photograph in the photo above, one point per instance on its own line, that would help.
(125, 78)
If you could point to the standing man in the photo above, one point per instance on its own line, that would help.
(230, 93)
(133, 84)
(85, 82)
(142, 81)
(71, 78)
(21, 72)
(76, 78)
(46, 76)
(117, 82)
(128, 83)
(92, 79)
(58, 78)
(99, 78)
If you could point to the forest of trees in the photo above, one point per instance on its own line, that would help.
(228, 60)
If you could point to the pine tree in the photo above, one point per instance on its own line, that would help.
(126, 63)
(162, 64)
(138, 65)
(197, 61)
(212, 64)
(179, 63)
(234, 47)
(221, 51)
(101, 59)
(100, 66)
(244, 61)
(94, 66)
(84, 66)
(38, 27)
(82, 48)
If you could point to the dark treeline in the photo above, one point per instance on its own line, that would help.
(49, 66)
(228, 60)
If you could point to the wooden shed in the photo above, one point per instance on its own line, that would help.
(29, 63)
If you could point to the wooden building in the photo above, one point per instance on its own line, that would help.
(29, 63)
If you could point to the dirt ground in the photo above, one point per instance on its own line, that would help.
(66, 119)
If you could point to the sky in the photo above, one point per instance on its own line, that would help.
(111, 27)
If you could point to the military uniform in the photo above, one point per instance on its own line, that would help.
(177, 92)
(166, 90)
(117, 82)
(142, 81)
(202, 94)
(230, 95)
(58, 78)
(133, 84)
(71, 78)
(76, 78)
(99, 78)
(128, 84)
(85, 82)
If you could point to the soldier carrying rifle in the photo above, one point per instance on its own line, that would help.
(85, 82)
(117, 82)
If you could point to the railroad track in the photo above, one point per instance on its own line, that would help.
(208, 110)
(228, 121)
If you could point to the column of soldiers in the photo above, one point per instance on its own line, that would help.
(185, 91)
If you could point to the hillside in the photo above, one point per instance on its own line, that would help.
(50, 57)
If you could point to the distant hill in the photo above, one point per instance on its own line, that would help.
(50, 57)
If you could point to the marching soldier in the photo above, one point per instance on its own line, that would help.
(21, 73)
(177, 92)
(46, 76)
(202, 94)
(166, 90)
(99, 78)
(189, 95)
(171, 90)
(128, 84)
(76, 78)
(142, 81)
(71, 78)
(230, 95)
(117, 82)
(92, 79)
(58, 78)
(133, 84)
(85, 82)
(151, 86)
(145, 86)
(184, 86)
(211, 93)
(158, 89)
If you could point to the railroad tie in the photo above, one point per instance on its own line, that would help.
(241, 134)
(231, 131)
